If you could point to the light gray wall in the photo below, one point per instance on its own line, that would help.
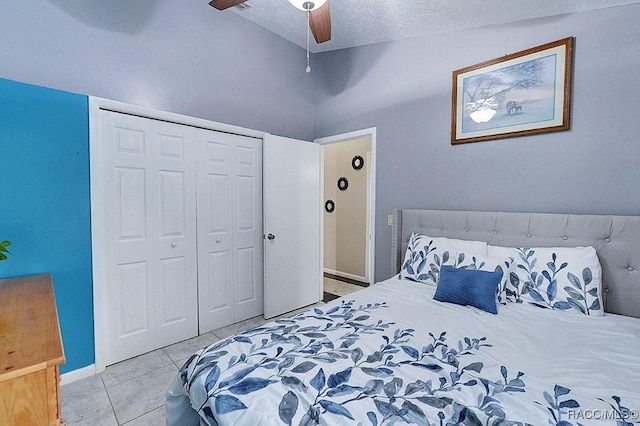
(404, 89)
(161, 54)
(218, 66)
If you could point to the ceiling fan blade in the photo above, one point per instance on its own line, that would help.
(320, 23)
(224, 4)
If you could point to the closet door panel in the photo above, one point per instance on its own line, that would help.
(175, 233)
(218, 205)
(174, 306)
(151, 253)
(132, 290)
(248, 236)
(246, 277)
(130, 253)
(130, 196)
(229, 228)
(215, 239)
(215, 300)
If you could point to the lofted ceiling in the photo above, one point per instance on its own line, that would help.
(360, 22)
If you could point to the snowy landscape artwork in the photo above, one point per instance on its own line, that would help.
(519, 94)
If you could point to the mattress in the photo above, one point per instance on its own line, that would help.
(390, 354)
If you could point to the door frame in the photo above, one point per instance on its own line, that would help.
(98, 210)
(371, 208)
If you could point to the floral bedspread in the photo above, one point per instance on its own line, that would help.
(350, 363)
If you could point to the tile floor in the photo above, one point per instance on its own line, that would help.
(132, 392)
(339, 288)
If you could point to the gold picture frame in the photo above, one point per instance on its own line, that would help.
(524, 93)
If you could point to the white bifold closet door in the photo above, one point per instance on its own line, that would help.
(150, 254)
(183, 245)
(230, 260)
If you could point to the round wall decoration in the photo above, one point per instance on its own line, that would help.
(343, 184)
(357, 163)
(329, 206)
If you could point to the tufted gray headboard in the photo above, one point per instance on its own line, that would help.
(615, 238)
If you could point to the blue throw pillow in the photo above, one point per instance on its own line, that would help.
(468, 287)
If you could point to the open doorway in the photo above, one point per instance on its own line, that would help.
(348, 171)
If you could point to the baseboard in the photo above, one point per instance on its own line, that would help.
(359, 280)
(75, 375)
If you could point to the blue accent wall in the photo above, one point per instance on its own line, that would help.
(45, 204)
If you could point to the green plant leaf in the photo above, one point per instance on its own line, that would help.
(3, 249)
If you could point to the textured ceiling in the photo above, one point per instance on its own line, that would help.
(360, 22)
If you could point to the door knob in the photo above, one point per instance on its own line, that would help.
(173, 244)
(271, 237)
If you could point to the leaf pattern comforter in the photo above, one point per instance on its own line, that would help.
(391, 355)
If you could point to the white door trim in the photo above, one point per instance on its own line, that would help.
(371, 132)
(98, 210)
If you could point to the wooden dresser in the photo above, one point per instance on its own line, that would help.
(30, 352)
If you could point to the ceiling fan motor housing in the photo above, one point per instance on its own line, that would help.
(307, 5)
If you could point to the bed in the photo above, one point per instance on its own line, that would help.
(391, 354)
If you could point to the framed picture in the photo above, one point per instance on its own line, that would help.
(524, 93)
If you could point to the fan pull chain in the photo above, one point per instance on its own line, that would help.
(308, 31)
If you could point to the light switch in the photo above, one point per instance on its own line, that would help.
(390, 220)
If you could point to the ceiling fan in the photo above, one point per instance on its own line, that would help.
(318, 15)
(318, 18)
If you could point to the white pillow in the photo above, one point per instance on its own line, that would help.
(425, 255)
(565, 278)
(491, 264)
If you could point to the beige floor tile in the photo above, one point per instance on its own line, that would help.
(156, 417)
(134, 367)
(132, 392)
(142, 394)
(86, 403)
(239, 327)
(179, 352)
